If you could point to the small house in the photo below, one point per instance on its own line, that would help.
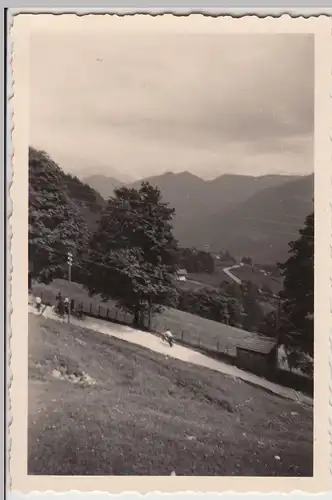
(182, 274)
(257, 354)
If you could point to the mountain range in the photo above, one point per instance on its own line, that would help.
(104, 185)
(247, 215)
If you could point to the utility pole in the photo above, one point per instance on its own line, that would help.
(70, 263)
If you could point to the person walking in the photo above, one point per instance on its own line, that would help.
(66, 303)
(60, 306)
(38, 303)
(169, 337)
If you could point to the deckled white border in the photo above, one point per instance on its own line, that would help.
(8, 270)
(156, 495)
(238, 480)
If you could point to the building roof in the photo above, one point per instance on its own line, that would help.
(182, 271)
(257, 344)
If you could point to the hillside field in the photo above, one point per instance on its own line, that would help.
(247, 273)
(244, 273)
(191, 329)
(102, 406)
(210, 280)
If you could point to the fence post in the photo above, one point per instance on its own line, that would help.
(107, 314)
(90, 307)
(182, 335)
(98, 310)
(116, 314)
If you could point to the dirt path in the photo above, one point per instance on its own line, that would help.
(182, 353)
(227, 271)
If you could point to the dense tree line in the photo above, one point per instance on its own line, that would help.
(206, 303)
(235, 305)
(82, 193)
(247, 260)
(226, 256)
(195, 261)
(297, 322)
(55, 223)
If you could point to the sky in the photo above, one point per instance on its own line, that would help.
(132, 104)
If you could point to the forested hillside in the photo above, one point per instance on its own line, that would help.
(62, 212)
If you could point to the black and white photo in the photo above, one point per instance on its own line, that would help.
(171, 256)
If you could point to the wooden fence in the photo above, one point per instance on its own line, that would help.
(214, 347)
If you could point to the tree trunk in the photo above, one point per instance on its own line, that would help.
(149, 315)
(142, 322)
(136, 321)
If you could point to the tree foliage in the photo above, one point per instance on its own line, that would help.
(247, 260)
(206, 303)
(234, 313)
(266, 289)
(227, 257)
(297, 329)
(252, 309)
(195, 261)
(132, 256)
(87, 200)
(55, 224)
(268, 325)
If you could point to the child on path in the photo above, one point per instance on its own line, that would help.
(38, 303)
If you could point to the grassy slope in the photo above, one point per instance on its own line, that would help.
(247, 273)
(149, 415)
(211, 280)
(194, 330)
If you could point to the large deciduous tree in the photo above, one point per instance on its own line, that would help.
(133, 253)
(55, 224)
(297, 328)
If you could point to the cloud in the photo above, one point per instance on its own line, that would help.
(146, 103)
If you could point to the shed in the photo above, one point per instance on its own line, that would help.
(257, 354)
(181, 275)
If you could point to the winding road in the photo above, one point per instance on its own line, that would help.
(154, 343)
(227, 270)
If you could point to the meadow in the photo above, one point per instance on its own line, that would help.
(248, 273)
(102, 406)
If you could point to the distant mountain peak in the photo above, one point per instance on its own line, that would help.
(189, 175)
(104, 184)
(109, 172)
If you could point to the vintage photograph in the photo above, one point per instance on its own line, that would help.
(171, 252)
